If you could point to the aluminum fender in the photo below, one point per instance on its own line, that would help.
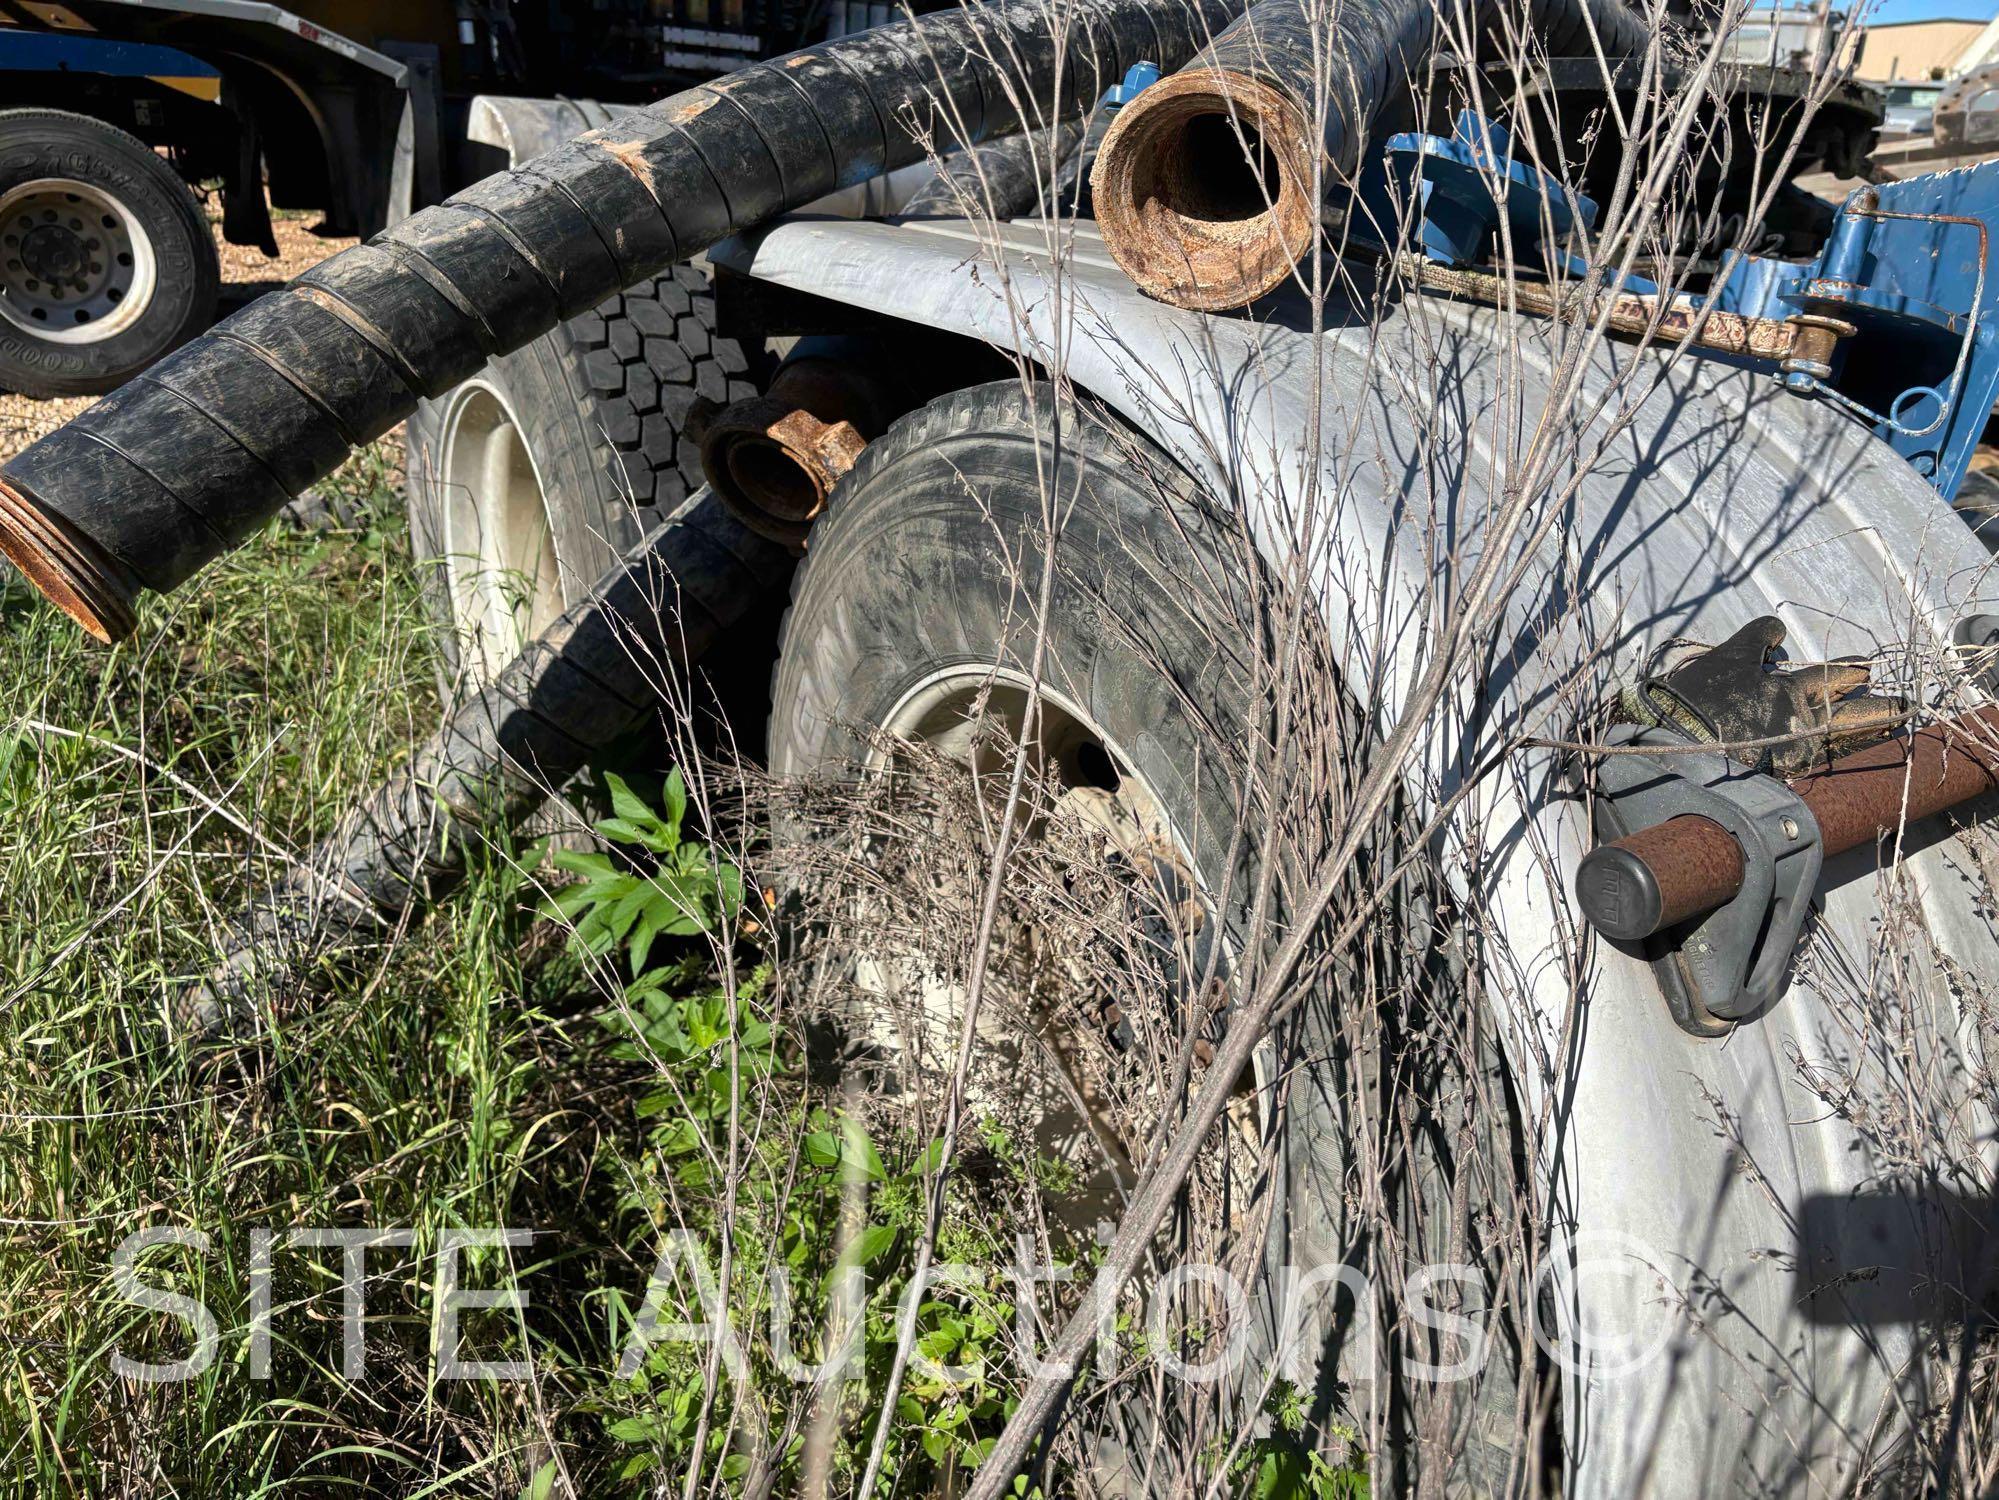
(1722, 499)
(525, 128)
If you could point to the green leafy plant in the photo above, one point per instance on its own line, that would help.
(691, 890)
(708, 1047)
(1281, 1464)
(815, 1193)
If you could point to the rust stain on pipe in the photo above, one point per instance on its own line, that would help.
(776, 464)
(1691, 858)
(1184, 192)
(1859, 799)
(67, 567)
(775, 459)
(1671, 322)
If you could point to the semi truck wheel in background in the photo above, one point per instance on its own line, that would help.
(107, 261)
(912, 622)
(526, 482)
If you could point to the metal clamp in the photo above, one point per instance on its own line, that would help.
(1139, 77)
(1731, 963)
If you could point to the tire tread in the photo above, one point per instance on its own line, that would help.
(645, 351)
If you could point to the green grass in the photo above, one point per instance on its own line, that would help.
(477, 1073)
(419, 1093)
(489, 1068)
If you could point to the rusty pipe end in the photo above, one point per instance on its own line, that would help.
(69, 569)
(775, 464)
(1659, 877)
(1203, 189)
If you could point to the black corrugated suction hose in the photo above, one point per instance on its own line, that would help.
(190, 458)
(1203, 185)
(1009, 179)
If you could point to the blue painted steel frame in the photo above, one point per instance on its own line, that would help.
(43, 52)
(1908, 265)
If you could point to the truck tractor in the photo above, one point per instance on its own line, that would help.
(1669, 917)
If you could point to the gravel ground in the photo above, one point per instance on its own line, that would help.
(246, 275)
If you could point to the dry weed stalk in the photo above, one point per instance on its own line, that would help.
(1345, 977)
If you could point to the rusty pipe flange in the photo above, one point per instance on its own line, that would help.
(775, 464)
(67, 567)
(1813, 339)
(1204, 189)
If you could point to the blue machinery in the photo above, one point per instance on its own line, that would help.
(54, 52)
(1895, 321)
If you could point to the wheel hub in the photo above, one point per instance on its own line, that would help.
(53, 252)
(1090, 824)
(499, 544)
(76, 267)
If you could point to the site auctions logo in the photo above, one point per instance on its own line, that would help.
(1609, 1303)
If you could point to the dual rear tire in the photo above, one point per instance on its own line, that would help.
(531, 479)
(914, 614)
(107, 262)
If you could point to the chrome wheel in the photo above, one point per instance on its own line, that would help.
(76, 265)
(498, 543)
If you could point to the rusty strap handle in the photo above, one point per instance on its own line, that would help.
(1663, 876)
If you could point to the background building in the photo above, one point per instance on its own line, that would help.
(1908, 49)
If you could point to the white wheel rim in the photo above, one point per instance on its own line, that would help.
(947, 708)
(948, 712)
(76, 265)
(499, 546)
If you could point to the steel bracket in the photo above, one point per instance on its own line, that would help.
(1470, 182)
(1730, 964)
